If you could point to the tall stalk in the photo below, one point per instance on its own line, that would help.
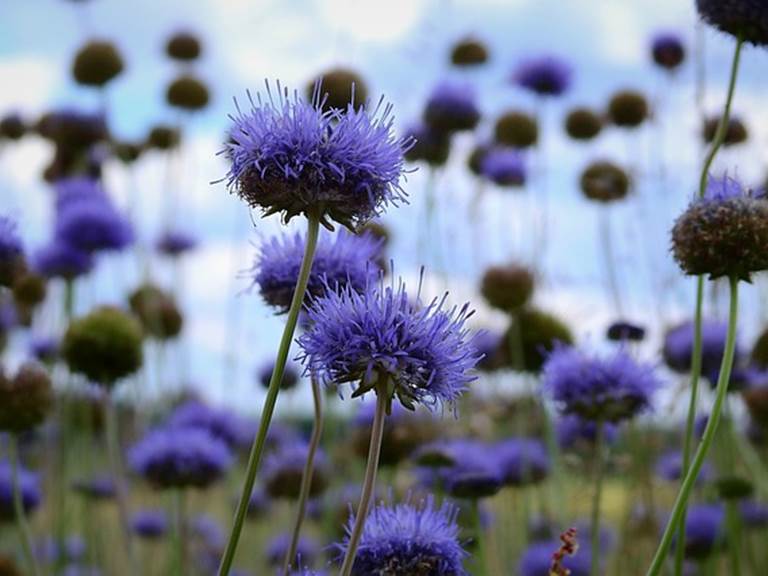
(25, 535)
(257, 449)
(596, 497)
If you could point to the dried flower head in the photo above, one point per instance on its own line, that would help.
(583, 124)
(339, 87)
(188, 93)
(469, 52)
(184, 46)
(25, 399)
(516, 129)
(668, 50)
(508, 287)
(451, 107)
(745, 19)
(605, 182)
(628, 109)
(96, 63)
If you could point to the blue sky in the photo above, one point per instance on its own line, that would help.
(401, 48)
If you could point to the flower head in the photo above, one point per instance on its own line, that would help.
(338, 88)
(429, 145)
(424, 355)
(607, 389)
(669, 467)
(222, 423)
(572, 430)
(283, 470)
(544, 76)
(516, 129)
(668, 50)
(25, 399)
(523, 461)
(307, 550)
(746, 19)
(291, 157)
(678, 346)
(508, 287)
(704, 530)
(723, 234)
(504, 167)
(605, 182)
(29, 486)
(291, 375)
(96, 63)
(59, 259)
(180, 457)
(469, 52)
(465, 468)
(175, 243)
(537, 560)
(736, 131)
(409, 539)
(583, 124)
(451, 107)
(340, 260)
(628, 109)
(150, 524)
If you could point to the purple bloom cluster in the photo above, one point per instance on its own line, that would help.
(669, 466)
(291, 375)
(226, 425)
(504, 167)
(340, 260)
(292, 157)
(283, 469)
(451, 107)
(747, 19)
(522, 461)
(409, 539)
(99, 487)
(425, 354)
(58, 259)
(29, 486)
(668, 50)
(175, 243)
(704, 530)
(544, 75)
(180, 457)
(607, 389)
(150, 524)
(678, 347)
(571, 430)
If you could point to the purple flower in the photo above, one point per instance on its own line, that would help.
(704, 530)
(290, 375)
(306, 551)
(11, 247)
(487, 343)
(48, 550)
(180, 457)
(340, 260)
(291, 157)
(523, 461)
(429, 145)
(537, 560)
(504, 167)
(175, 243)
(668, 50)
(99, 487)
(87, 220)
(754, 514)
(58, 259)
(669, 467)
(44, 348)
(544, 75)
(607, 389)
(573, 430)
(747, 19)
(678, 346)
(150, 524)
(451, 107)
(474, 471)
(258, 503)
(29, 486)
(207, 529)
(409, 539)
(224, 424)
(425, 354)
(283, 470)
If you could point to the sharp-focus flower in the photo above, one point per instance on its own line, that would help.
(29, 486)
(544, 76)
(58, 259)
(340, 260)
(409, 539)
(87, 219)
(607, 389)
(747, 19)
(668, 50)
(523, 461)
(451, 107)
(423, 354)
(291, 157)
(150, 524)
(307, 550)
(572, 430)
(180, 457)
(504, 167)
(723, 234)
(704, 530)
(175, 243)
(678, 346)
(283, 470)
(537, 560)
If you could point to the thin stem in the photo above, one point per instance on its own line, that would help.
(179, 511)
(369, 483)
(691, 419)
(25, 535)
(606, 240)
(733, 527)
(116, 471)
(706, 440)
(596, 497)
(306, 478)
(313, 226)
(720, 133)
(482, 557)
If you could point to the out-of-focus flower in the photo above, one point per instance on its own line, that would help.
(451, 107)
(29, 487)
(547, 76)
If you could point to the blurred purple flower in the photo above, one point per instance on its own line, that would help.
(544, 75)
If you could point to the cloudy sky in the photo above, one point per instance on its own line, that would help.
(400, 46)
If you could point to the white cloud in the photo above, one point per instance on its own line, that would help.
(28, 82)
(372, 20)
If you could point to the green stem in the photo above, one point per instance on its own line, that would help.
(733, 526)
(598, 479)
(306, 478)
(691, 419)
(719, 139)
(271, 399)
(482, 557)
(369, 482)
(118, 478)
(179, 511)
(25, 535)
(722, 127)
(706, 440)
